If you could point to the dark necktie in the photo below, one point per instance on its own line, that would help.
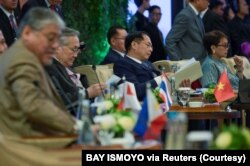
(200, 24)
(13, 24)
(148, 67)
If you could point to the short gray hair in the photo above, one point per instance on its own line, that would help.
(68, 32)
(38, 18)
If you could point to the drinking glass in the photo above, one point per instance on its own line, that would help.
(184, 95)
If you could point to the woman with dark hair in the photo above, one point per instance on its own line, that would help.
(216, 44)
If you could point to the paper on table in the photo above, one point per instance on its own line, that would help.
(188, 63)
(191, 70)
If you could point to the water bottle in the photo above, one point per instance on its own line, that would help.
(86, 136)
(176, 131)
(173, 91)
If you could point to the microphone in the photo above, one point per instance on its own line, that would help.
(57, 84)
(162, 68)
(122, 80)
(94, 68)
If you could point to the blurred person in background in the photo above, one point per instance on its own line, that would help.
(155, 34)
(54, 5)
(187, 33)
(138, 20)
(116, 38)
(9, 20)
(3, 45)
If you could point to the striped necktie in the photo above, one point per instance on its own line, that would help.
(13, 23)
(200, 24)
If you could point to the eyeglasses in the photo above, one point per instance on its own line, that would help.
(121, 38)
(148, 45)
(51, 38)
(158, 14)
(224, 45)
(75, 50)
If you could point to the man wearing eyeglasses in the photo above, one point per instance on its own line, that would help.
(116, 38)
(66, 81)
(29, 103)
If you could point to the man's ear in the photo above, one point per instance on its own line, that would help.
(134, 45)
(112, 41)
(26, 32)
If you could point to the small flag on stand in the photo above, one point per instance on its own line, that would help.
(151, 119)
(129, 99)
(223, 90)
(164, 94)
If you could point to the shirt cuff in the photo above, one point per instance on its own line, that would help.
(158, 80)
(78, 126)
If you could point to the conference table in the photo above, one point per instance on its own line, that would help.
(72, 154)
(208, 112)
(245, 109)
(65, 150)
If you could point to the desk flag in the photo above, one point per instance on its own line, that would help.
(151, 119)
(164, 94)
(129, 99)
(223, 90)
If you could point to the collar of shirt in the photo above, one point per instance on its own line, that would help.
(121, 53)
(75, 77)
(47, 3)
(134, 59)
(194, 9)
(203, 13)
(7, 12)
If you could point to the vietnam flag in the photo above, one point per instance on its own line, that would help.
(223, 90)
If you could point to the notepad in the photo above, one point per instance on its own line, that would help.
(190, 70)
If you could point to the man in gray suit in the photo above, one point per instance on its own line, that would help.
(184, 40)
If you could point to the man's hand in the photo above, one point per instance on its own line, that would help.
(185, 83)
(239, 63)
(96, 89)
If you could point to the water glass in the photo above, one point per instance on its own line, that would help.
(184, 95)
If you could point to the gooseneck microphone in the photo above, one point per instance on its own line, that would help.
(121, 81)
(94, 68)
(57, 84)
(162, 68)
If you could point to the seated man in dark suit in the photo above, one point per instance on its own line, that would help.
(8, 20)
(52, 4)
(116, 38)
(135, 65)
(138, 70)
(66, 81)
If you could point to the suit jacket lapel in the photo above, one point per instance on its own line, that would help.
(54, 92)
(144, 66)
